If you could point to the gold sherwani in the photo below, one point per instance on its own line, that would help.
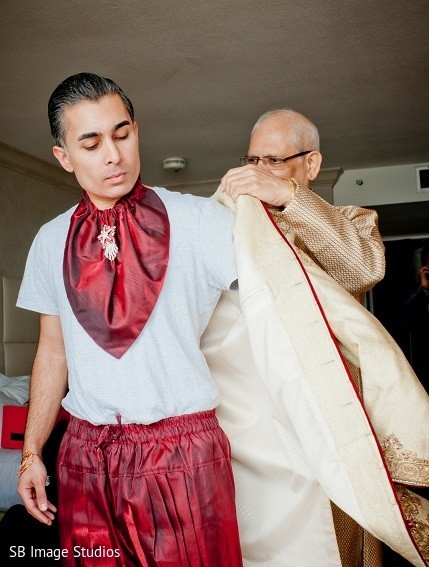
(300, 434)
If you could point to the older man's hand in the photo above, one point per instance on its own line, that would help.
(252, 180)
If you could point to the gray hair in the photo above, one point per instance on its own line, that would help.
(303, 135)
(77, 88)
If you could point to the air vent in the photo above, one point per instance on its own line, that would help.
(422, 179)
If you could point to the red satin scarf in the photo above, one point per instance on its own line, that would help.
(114, 266)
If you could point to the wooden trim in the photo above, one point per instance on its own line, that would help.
(21, 162)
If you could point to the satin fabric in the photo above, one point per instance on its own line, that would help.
(160, 494)
(113, 299)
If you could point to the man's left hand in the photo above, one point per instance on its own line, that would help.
(252, 180)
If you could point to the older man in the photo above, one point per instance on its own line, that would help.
(344, 241)
(291, 407)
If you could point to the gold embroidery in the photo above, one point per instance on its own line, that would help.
(314, 223)
(417, 522)
(406, 467)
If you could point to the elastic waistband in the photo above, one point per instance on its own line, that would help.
(169, 427)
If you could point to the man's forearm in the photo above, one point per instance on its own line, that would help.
(47, 388)
(344, 241)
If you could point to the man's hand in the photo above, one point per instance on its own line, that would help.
(252, 180)
(424, 276)
(31, 488)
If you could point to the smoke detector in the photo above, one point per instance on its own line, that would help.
(173, 163)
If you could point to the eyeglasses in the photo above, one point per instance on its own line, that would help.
(273, 161)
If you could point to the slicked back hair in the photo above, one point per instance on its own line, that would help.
(303, 133)
(75, 89)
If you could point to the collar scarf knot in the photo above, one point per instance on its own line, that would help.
(115, 261)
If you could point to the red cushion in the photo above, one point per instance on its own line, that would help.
(14, 421)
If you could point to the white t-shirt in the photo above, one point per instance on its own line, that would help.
(163, 373)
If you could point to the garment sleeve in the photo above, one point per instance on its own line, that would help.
(217, 244)
(343, 241)
(37, 292)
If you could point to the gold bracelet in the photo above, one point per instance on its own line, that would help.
(26, 461)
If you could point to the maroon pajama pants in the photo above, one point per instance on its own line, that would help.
(159, 495)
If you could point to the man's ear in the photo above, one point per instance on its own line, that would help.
(136, 129)
(62, 156)
(314, 161)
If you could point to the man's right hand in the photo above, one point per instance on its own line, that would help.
(253, 180)
(424, 276)
(31, 488)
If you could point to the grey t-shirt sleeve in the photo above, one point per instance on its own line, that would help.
(37, 291)
(217, 244)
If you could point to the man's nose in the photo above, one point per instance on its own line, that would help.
(262, 162)
(113, 155)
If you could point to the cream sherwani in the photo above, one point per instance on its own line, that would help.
(300, 433)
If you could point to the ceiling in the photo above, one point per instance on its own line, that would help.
(200, 73)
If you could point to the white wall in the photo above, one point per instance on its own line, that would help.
(31, 193)
(381, 186)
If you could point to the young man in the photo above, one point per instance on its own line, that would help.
(125, 284)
